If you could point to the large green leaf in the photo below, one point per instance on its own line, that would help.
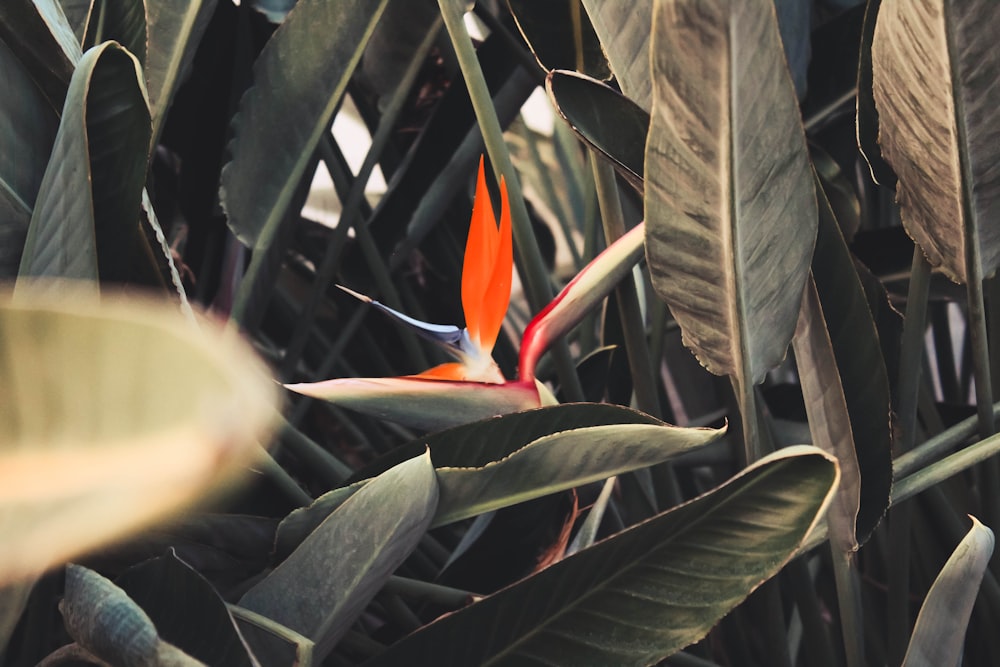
(299, 79)
(175, 27)
(858, 350)
(829, 421)
(647, 592)
(482, 442)
(30, 124)
(939, 633)
(39, 34)
(86, 217)
(186, 610)
(604, 119)
(325, 584)
(78, 13)
(936, 76)
(560, 35)
(515, 458)
(730, 204)
(94, 445)
(623, 28)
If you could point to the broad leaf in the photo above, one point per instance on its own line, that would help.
(109, 624)
(186, 610)
(829, 421)
(95, 445)
(321, 589)
(936, 72)
(647, 592)
(623, 29)
(939, 633)
(175, 28)
(86, 218)
(604, 119)
(511, 459)
(299, 79)
(477, 444)
(858, 349)
(421, 403)
(560, 35)
(730, 204)
(30, 124)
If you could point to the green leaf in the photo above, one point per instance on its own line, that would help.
(560, 35)
(867, 122)
(936, 75)
(939, 633)
(30, 124)
(325, 584)
(175, 29)
(515, 458)
(106, 622)
(623, 28)
(13, 600)
(647, 592)
(730, 204)
(37, 32)
(186, 610)
(271, 642)
(299, 79)
(607, 121)
(480, 443)
(858, 350)
(421, 403)
(95, 445)
(123, 21)
(85, 220)
(78, 13)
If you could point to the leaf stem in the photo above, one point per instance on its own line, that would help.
(849, 603)
(901, 518)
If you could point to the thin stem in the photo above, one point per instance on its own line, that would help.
(990, 482)
(283, 480)
(900, 520)
(944, 442)
(633, 324)
(350, 215)
(849, 603)
(327, 467)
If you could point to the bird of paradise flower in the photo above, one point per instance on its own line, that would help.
(473, 387)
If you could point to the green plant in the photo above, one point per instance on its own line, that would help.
(692, 197)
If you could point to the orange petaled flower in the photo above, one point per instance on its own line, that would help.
(486, 276)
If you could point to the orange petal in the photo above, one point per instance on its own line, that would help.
(480, 253)
(451, 371)
(497, 296)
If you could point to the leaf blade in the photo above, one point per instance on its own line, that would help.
(730, 215)
(564, 611)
